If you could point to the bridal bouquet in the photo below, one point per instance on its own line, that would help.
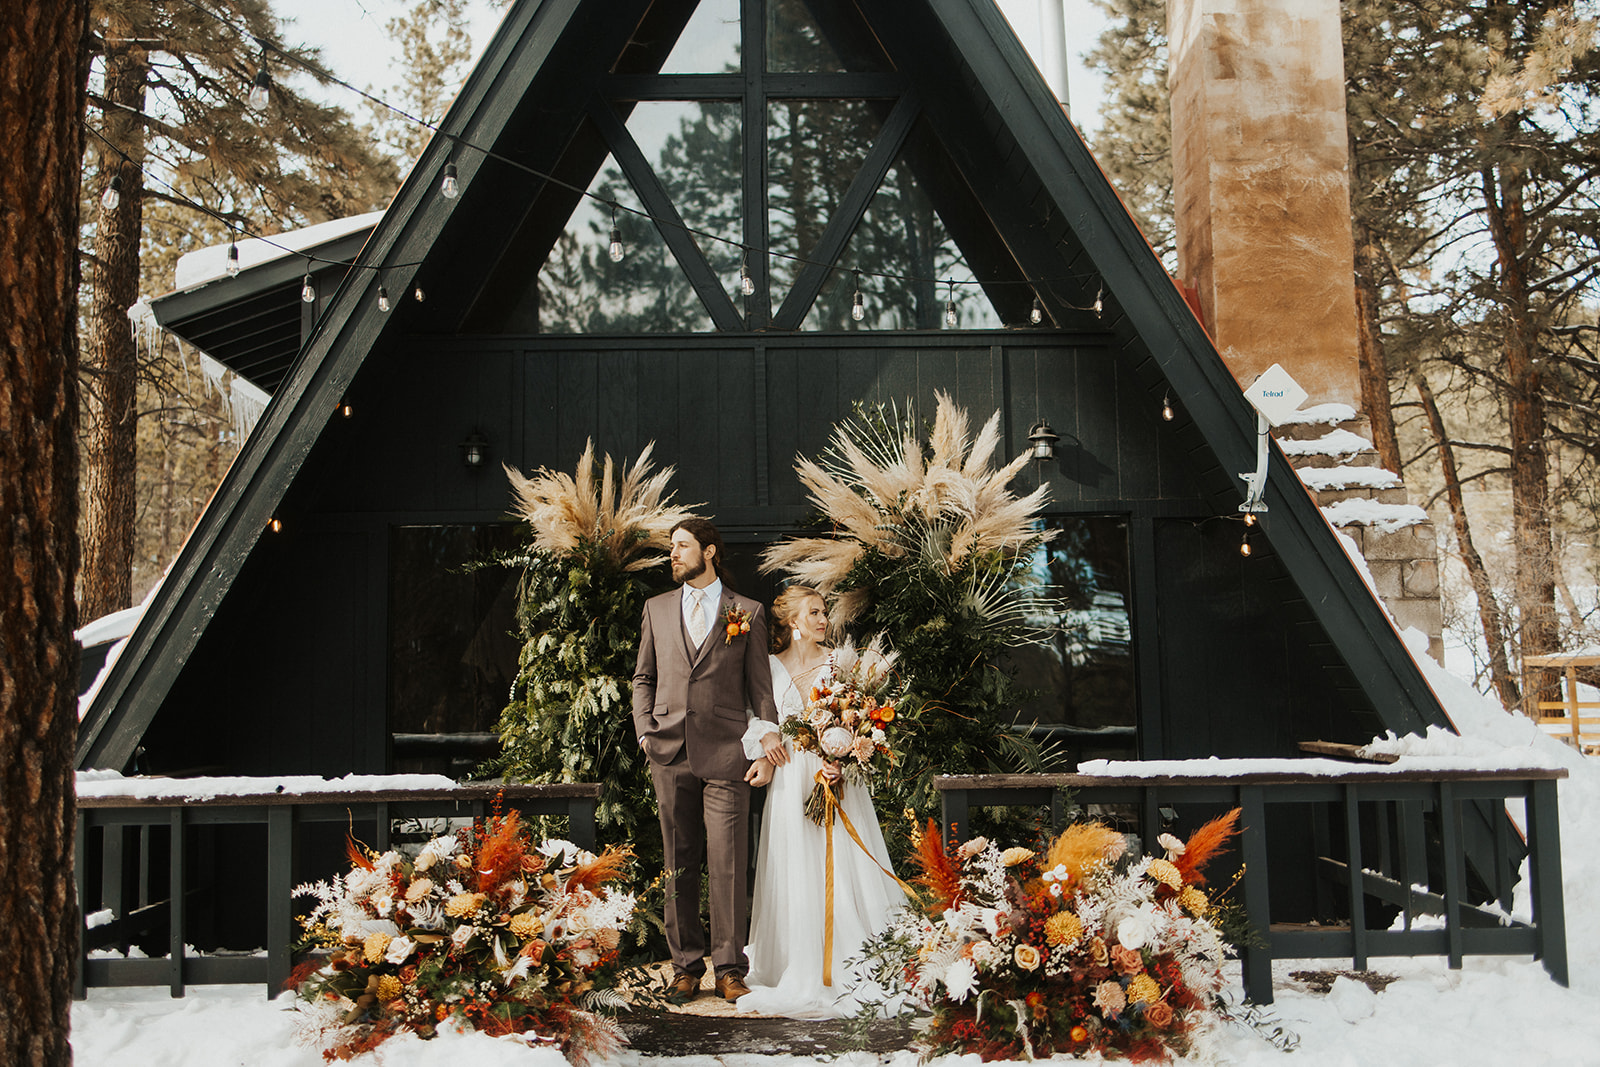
(481, 931)
(847, 720)
(1082, 951)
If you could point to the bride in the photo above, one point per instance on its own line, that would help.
(788, 916)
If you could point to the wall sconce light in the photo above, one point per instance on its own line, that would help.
(1043, 441)
(475, 450)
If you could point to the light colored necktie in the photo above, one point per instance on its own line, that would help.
(697, 619)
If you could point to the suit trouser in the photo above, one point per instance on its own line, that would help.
(704, 820)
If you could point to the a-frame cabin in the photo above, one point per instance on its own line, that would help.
(905, 149)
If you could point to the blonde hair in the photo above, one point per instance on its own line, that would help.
(785, 610)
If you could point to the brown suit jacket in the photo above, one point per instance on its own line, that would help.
(694, 701)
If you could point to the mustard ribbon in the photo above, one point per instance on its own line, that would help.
(832, 806)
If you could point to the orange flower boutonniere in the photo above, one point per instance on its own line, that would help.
(735, 623)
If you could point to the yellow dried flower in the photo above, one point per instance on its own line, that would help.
(1143, 988)
(526, 925)
(1194, 901)
(419, 889)
(1099, 953)
(1063, 928)
(1165, 872)
(608, 937)
(389, 988)
(375, 946)
(1013, 856)
(462, 904)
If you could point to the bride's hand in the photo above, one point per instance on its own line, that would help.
(774, 748)
(831, 771)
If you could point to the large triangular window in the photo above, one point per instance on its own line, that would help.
(757, 165)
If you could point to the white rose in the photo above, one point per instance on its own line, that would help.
(400, 950)
(1136, 930)
(836, 741)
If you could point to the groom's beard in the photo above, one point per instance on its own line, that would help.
(684, 572)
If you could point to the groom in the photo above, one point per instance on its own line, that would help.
(695, 678)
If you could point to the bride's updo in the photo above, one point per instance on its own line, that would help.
(785, 609)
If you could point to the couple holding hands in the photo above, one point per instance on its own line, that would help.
(704, 666)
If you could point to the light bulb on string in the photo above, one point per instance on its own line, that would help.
(747, 284)
(383, 299)
(308, 289)
(112, 197)
(261, 88)
(1036, 316)
(418, 295)
(615, 251)
(950, 318)
(1249, 518)
(1244, 546)
(450, 187)
(858, 303)
(1099, 302)
(233, 258)
(1166, 407)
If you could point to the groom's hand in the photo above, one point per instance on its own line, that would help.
(760, 772)
(774, 748)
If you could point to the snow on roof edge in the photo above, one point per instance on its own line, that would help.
(211, 263)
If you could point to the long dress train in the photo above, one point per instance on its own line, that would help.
(787, 918)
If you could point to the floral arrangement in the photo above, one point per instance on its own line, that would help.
(846, 720)
(735, 623)
(1083, 951)
(484, 931)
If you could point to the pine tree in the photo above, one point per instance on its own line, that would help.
(42, 67)
(171, 121)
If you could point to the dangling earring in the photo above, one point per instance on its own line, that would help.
(796, 635)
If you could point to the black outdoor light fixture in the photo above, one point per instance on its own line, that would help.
(1043, 439)
(475, 450)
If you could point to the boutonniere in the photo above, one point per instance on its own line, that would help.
(735, 623)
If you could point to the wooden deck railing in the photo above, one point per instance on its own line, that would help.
(124, 828)
(1391, 869)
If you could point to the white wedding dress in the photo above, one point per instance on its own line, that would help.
(787, 918)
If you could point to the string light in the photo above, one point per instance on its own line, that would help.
(1249, 518)
(418, 295)
(858, 303)
(950, 318)
(1036, 316)
(275, 525)
(615, 251)
(1244, 545)
(261, 88)
(112, 197)
(233, 258)
(308, 288)
(383, 299)
(1166, 407)
(1099, 302)
(450, 188)
(747, 284)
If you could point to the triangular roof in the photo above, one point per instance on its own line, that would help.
(1058, 216)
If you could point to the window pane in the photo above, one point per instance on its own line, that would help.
(1085, 676)
(815, 148)
(709, 43)
(696, 151)
(906, 257)
(582, 291)
(820, 36)
(451, 654)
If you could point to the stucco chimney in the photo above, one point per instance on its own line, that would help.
(1261, 186)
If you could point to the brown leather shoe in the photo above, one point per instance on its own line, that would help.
(683, 988)
(731, 986)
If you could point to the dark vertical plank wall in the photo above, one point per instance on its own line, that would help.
(289, 676)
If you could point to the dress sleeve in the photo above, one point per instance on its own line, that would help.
(753, 733)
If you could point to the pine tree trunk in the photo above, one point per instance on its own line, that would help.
(111, 463)
(43, 72)
(1530, 486)
(1374, 360)
(1494, 631)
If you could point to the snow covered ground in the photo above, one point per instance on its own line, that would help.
(1491, 1013)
